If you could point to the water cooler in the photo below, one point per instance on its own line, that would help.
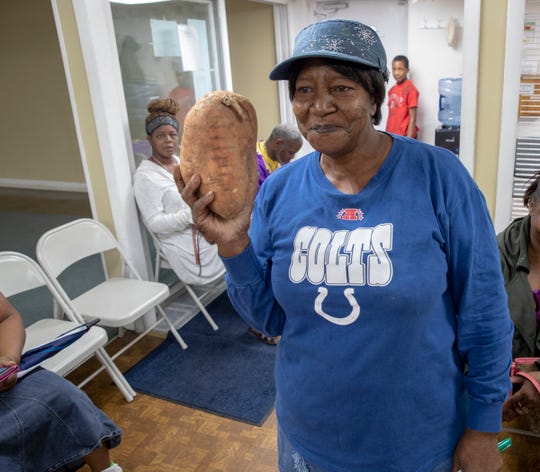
(447, 136)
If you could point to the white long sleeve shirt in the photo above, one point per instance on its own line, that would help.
(169, 218)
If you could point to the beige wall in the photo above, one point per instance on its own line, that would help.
(489, 97)
(37, 136)
(253, 55)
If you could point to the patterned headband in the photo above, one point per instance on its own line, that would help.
(160, 120)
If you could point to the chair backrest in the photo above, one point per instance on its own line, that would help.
(20, 273)
(64, 245)
(160, 261)
(157, 244)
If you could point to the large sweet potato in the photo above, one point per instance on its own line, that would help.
(218, 143)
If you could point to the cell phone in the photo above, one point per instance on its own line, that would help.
(6, 372)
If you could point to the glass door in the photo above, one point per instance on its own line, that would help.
(166, 49)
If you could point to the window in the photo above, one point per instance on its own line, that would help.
(166, 49)
(527, 157)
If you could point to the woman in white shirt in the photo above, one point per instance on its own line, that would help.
(166, 215)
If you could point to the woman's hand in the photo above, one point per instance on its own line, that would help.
(230, 235)
(12, 379)
(477, 452)
(527, 398)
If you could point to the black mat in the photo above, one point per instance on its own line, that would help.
(228, 372)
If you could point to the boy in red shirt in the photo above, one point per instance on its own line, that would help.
(402, 101)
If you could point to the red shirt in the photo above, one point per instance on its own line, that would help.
(401, 97)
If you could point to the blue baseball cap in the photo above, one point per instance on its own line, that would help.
(345, 40)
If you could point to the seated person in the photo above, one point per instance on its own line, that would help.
(48, 424)
(167, 216)
(519, 248)
(279, 149)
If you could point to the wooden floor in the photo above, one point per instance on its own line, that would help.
(162, 436)
(157, 435)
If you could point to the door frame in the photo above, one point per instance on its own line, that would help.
(515, 16)
(102, 67)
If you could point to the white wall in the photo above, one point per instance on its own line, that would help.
(401, 27)
(392, 27)
(430, 56)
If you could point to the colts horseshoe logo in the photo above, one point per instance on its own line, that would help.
(347, 320)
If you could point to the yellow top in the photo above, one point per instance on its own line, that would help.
(271, 165)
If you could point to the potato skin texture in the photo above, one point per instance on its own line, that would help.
(218, 143)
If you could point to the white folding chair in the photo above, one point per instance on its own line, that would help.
(162, 263)
(117, 301)
(19, 274)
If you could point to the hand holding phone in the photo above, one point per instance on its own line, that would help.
(6, 372)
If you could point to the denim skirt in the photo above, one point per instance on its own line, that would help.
(48, 424)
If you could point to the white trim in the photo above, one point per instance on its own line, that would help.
(515, 16)
(271, 2)
(53, 185)
(224, 39)
(137, 2)
(76, 122)
(281, 33)
(469, 93)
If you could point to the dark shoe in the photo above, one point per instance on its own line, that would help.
(272, 340)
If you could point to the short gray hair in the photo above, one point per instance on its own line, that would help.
(286, 132)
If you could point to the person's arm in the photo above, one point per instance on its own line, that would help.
(250, 291)
(149, 196)
(248, 270)
(12, 337)
(412, 105)
(526, 399)
(483, 326)
(411, 129)
(230, 235)
(477, 452)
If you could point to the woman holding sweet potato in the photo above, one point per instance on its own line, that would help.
(375, 259)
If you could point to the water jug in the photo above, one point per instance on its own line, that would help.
(450, 102)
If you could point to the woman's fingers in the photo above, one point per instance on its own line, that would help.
(178, 178)
(516, 379)
(190, 190)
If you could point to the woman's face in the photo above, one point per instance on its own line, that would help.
(333, 113)
(164, 141)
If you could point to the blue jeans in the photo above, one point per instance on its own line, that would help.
(289, 460)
